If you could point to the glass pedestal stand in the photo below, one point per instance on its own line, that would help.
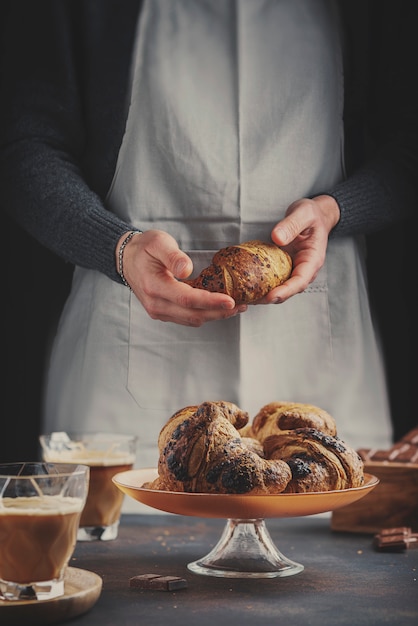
(245, 550)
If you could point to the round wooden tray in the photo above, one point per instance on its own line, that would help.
(81, 591)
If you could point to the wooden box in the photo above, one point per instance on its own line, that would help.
(394, 501)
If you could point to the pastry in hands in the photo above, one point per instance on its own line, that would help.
(246, 271)
(201, 451)
(318, 461)
(275, 417)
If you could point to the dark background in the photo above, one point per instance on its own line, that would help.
(34, 289)
(36, 284)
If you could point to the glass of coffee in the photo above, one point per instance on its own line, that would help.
(40, 510)
(106, 454)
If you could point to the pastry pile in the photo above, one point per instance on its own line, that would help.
(288, 448)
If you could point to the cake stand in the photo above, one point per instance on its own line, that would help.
(245, 549)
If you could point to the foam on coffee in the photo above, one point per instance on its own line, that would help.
(63, 450)
(41, 505)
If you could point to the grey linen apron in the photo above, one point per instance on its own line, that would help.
(236, 111)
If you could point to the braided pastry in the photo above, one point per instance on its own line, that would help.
(201, 451)
(246, 272)
(319, 462)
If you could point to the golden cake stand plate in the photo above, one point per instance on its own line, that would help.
(81, 591)
(245, 549)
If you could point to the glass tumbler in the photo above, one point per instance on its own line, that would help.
(40, 511)
(106, 454)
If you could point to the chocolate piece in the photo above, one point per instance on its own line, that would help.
(398, 453)
(156, 581)
(170, 583)
(143, 581)
(390, 543)
(403, 451)
(380, 455)
(395, 539)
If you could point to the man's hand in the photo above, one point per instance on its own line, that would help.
(153, 266)
(304, 234)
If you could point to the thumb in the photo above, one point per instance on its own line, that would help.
(182, 265)
(284, 232)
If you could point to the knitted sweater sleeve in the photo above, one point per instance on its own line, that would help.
(47, 136)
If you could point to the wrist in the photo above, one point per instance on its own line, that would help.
(120, 251)
(329, 208)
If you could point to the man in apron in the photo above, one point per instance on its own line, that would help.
(225, 130)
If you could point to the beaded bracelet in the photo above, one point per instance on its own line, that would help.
(120, 255)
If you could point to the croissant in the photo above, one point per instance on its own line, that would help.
(230, 411)
(276, 417)
(201, 451)
(246, 272)
(319, 462)
(176, 424)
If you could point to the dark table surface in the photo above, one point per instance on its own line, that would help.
(345, 580)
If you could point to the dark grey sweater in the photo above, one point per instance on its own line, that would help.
(64, 80)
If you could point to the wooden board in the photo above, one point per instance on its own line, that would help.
(82, 590)
(393, 502)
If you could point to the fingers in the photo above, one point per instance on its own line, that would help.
(304, 233)
(299, 217)
(162, 250)
(305, 216)
(155, 266)
(293, 286)
(187, 306)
